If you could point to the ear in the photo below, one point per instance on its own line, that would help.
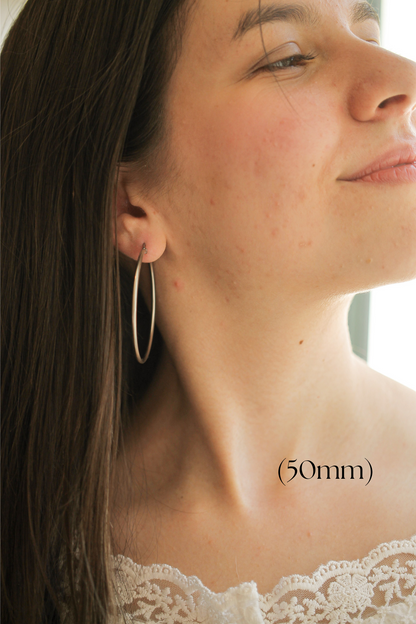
(138, 221)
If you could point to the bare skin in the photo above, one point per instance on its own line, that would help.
(258, 246)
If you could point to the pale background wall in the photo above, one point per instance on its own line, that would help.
(392, 328)
(8, 10)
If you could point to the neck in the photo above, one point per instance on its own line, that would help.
(243, 385)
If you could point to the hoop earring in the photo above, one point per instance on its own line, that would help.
(134, 307)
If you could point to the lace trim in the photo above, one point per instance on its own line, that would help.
(381, 587)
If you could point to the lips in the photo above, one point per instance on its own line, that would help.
(402, 155)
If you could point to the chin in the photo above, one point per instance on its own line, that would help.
(385, 274)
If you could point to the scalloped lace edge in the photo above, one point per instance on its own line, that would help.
(310, 582)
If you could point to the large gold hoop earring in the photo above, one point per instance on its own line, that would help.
(134, 307)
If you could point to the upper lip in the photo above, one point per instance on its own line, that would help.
(404, 154)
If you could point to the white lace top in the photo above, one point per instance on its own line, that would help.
(379, 589)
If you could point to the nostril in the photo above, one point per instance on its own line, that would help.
(395, 98)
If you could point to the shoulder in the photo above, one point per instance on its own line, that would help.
(392, 426)
(397, 403)
(390, 402)
(388, 436)
(399, 419)
(389, 414)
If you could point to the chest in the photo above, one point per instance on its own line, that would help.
(293, 535)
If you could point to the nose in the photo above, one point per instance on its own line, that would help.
(383, 86)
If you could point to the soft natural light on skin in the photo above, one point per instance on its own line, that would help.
(392, 331)
(392, 334)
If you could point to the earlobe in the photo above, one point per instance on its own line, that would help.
(131, 234)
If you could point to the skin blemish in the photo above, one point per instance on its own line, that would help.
(178, 283)
(369, 260)
(305, 243)
(301, 342)
(212, 202)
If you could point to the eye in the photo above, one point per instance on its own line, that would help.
(297, 60)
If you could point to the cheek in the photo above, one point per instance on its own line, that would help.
(263, 145)
(253, 145)
(257, 170)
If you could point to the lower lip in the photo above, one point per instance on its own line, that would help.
(404, 173)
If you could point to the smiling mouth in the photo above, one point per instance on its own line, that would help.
(398, 165)
(404, 172)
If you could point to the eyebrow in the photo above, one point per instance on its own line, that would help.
(299, 13)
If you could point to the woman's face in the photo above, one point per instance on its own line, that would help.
(261, 154)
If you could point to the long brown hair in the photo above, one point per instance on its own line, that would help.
(83, 88)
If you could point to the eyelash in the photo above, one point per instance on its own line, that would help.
(297, 60)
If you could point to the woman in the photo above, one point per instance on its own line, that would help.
(260, 158)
